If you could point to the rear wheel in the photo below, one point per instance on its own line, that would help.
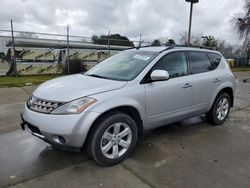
(220, 109)
(112, 139)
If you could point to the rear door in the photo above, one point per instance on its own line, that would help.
(203, 78)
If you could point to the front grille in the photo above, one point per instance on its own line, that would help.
(41, 105)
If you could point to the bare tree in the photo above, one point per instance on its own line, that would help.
(195, 39)
(226, 49)
(241, 22)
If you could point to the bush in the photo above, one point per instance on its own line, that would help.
(75, 66)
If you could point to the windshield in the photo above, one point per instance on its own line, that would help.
(123, 66)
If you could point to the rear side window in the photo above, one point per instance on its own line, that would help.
(199, 62)
(175, 63)
(216, 58)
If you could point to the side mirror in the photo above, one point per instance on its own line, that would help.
(159, 75)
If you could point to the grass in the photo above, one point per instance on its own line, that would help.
(24, 80)
(240, 69)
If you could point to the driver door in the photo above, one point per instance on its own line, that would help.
(168, 101)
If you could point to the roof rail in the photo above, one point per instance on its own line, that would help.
(189, 46)
(171, 47)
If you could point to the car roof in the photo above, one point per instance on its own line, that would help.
(160, 49)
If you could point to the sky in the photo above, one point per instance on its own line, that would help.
(151, 18)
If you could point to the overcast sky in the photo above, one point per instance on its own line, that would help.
(152, 18)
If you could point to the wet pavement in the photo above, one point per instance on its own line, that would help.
(24, 156)
(11, 103)
(190, 153)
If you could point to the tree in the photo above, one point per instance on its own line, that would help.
(209, 41)
(195, 39)
(156, 42)
(115, 39)
(170, 42)
(75, 66)
(228, 51)
(241, 22)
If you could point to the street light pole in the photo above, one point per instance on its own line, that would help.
(190, 18)
(190, 22)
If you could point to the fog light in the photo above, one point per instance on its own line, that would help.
(59, 139)
(62, 139)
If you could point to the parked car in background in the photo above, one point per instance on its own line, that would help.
(106, 108)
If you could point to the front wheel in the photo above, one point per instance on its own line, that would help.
(220, 109)
(112, 139)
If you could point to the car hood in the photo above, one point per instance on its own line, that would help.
(71, 87)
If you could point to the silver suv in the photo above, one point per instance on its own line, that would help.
(106, 108)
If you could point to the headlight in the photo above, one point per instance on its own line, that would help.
(74, 107)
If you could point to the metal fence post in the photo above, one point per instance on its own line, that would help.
(109, 43)
(68, 48)
(14, 50)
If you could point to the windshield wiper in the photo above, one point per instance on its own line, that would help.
(97, 76)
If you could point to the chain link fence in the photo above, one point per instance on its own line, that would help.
(35, 53)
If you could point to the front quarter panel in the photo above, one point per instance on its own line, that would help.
(133, 95)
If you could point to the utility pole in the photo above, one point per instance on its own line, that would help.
(68, 48)
(192, 2)
(109, 43)
(14, 50)
(190, 23)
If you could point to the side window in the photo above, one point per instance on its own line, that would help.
(216, 58)
(175, 63)
(199, 62)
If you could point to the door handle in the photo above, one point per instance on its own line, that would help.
(216, 80)
(187, 85)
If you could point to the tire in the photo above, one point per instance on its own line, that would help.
(220, 109)
(112, 139)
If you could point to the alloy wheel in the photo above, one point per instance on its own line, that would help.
(222, 109)
(116, 140)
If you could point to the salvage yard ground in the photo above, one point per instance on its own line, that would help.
(187, 154)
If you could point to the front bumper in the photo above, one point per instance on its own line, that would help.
(66, 132)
